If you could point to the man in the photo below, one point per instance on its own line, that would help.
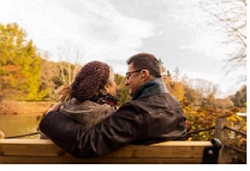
(153, 115)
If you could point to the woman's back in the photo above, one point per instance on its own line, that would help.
(90, 98)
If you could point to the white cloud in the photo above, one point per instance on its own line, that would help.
(211, 46)
(104, 32)
(96, 26)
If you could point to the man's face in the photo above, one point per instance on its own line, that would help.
(133, 79)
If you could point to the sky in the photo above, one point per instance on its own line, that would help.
(176, 31)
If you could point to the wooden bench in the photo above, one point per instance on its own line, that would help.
(36, 151)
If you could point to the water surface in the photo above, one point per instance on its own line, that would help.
(13, 125)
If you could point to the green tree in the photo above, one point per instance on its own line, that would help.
(122, 93)
(20, 69)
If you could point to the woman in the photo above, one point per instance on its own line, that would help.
(90, 98)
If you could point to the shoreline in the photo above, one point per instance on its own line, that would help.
(12, 107)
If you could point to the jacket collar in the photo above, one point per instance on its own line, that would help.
(150, 88)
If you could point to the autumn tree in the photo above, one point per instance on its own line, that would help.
(50, 77)
(55, 74)
(240, 97)
(71, 57)
(122, 93)
(174, 84)
(201, 91)
(19, 65)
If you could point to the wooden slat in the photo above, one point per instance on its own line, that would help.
(158, 151)
(45, 151)
(71, 160)
(49, 142)
(32, 150)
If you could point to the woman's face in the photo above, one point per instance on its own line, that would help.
(111, 88)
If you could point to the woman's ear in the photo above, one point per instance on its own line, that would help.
(106, 87)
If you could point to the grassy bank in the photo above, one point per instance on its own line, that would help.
(23, 108)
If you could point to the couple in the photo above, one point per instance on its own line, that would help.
(86, 123)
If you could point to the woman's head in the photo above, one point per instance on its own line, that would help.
(91, 78)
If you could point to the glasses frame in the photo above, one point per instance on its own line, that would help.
(128, 74)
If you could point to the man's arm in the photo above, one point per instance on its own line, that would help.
(116, 131)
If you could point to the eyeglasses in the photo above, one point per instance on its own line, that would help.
(128, 74)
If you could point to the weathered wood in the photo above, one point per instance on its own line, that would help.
(222, 135)
(70, 160)
(17, 151)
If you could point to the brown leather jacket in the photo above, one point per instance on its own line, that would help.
(153, 115)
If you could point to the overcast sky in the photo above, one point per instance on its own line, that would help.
(112, 30)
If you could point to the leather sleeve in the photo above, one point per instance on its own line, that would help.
(116, 131)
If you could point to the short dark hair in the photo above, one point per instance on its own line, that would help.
(146, 61)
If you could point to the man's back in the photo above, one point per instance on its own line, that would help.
(164, 118)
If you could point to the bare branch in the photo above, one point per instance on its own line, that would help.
(231, 15)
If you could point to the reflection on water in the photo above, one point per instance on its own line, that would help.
(13, 125)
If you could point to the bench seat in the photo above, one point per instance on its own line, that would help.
(40, 151)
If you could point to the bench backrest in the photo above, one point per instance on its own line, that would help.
(31, 151)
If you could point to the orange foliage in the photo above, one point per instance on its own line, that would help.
(11, 68)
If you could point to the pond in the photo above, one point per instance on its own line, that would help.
(12, 125)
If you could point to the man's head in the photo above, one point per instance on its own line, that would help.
(142, 68)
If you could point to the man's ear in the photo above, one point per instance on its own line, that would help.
(145, 75)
